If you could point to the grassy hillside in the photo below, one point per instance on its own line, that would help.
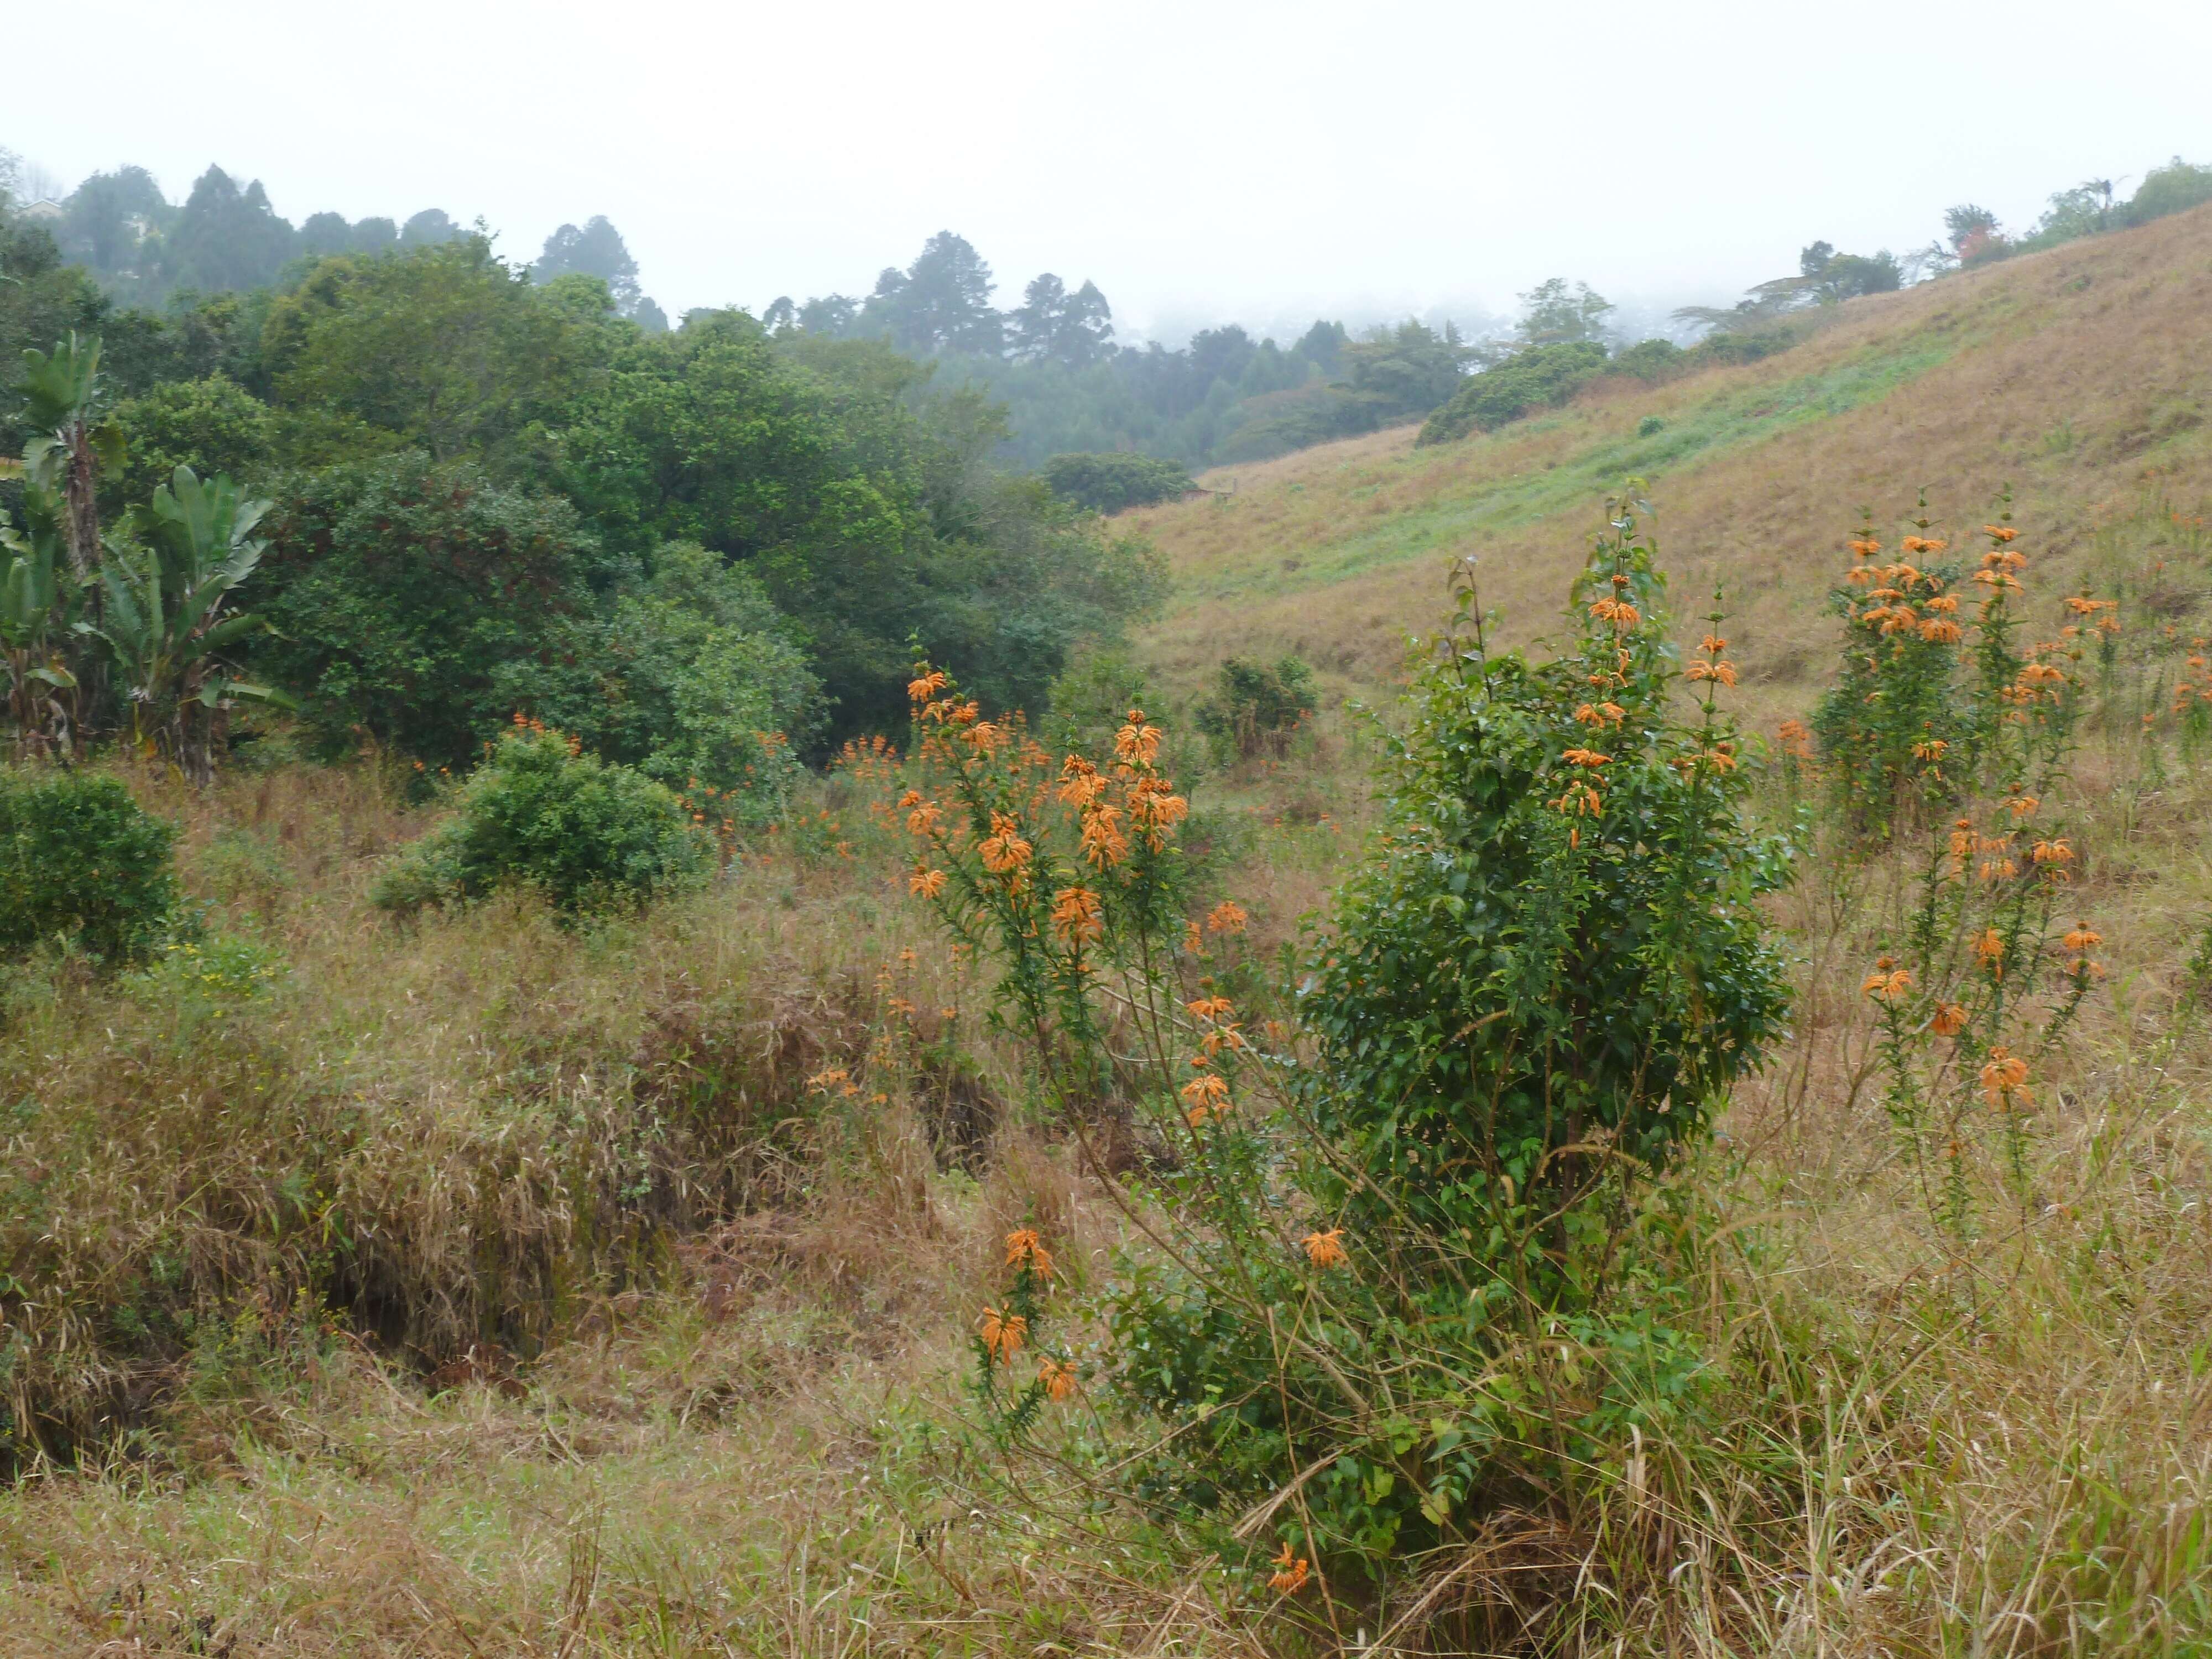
(475, 1287)
(2077, 377)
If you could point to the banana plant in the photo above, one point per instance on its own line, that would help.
(164, 621)
(37, 606)
(69, 443)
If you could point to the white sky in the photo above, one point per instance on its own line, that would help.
(1200, 161)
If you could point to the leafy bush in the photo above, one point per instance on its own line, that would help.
(1541, 377)
(1256, 708)
(2174, 188)
(1111, 482)
(1543, 979)
(1650, 360)
(690, 676)
(399, 589)
(81, 861)
(540, 814)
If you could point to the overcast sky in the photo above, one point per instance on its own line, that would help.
(1199, 160)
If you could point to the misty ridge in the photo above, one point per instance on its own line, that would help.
(1055, 360)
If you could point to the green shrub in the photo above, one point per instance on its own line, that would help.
(539, 814)
(1650, 360)
(1255, 708)
(1542, 981)
(1541, 377)
(1111, 482)
(81, 862)
(691, 676)
(399, 589)
(2174, 188)
(1649, 426)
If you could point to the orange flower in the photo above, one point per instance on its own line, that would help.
(2002, 532)
(1929, 749)
(2004, 1076)
(1990, 949)
(1942, 630)
(1206, 1093)
(1714, 645)
(2083, 938)
(1210, 1008)
(1325, 1250)
(1290, 1572)
(1004, 1333)
(924, 818)
(1923, 545)
(1194, 942)
(1075, 916)
(1058, 1377)
(927, 883)
(1103, 843)
(1005, 852)
(1024, 1250)
(1796, 739)
(1950, 1019)
(2023, 806)
(1585, 757)
(1226, 917)
(1722, 672)
(2055, 852)
(1137, 743)
(925, 686)
(1888, 982)
(1079, 782)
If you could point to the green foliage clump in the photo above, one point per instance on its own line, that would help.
(1542, 981)
(83, 864)
(212, 426)
(1254, 707)
(541, 815)
(690, 676)
(1539, 377)
(1650, 361)
(2174, 188)
(400, 591)
(1113, 482)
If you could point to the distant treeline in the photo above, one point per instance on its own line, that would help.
(221, 238)
(489, 495)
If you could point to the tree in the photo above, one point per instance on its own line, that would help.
(431, 226)
(940, 303)
(1323, 344)
(2170, 189)
(63, 397)
(164, 624)
(1053, 326)
(1973, 233)
(112, 219)
(37, 608)
(402, 591)
(596, 250)
(227, 238)
(1552, 312)
(443, 347)
(325, 235)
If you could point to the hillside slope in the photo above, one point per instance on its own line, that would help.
(2079, 377)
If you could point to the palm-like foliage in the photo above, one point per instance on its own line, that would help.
(69, 444)
(164, 622)
(36, 608)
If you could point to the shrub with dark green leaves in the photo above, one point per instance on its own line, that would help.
(83, 864)
(1256, 707)
(1112, 483)
(1439, 1283)
(539, 814)
(1541, 377)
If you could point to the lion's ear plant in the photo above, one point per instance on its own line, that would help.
(1402, 1276)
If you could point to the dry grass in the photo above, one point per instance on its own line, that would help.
(2073, 375)
(648, 1350)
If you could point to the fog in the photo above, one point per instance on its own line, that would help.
(1264, 163)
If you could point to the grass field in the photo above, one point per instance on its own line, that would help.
(646, 1349)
